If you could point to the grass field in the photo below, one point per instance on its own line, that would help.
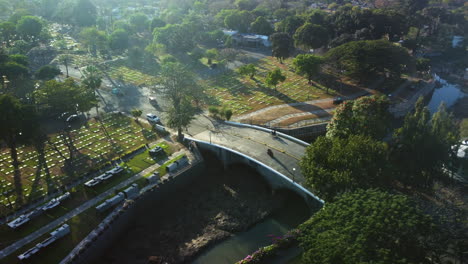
(97, 142)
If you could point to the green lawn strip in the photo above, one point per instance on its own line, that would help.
(163, 170)
(80, 226)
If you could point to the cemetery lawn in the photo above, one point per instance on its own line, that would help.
(243, 95)
(99, 142)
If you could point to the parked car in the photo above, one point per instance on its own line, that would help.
(152, 100)
(152, 118)
(337, 100)
(156, 151)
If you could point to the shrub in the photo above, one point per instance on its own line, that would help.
(228, 114)
(213, 110)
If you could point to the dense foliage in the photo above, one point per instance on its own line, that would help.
(367, 227)
(364, 116)
(333, 166)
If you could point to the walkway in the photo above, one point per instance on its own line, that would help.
(90, 203)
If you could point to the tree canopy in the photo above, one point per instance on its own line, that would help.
(368, 226)
(308, 65)
(367, 116)
(368, 58)
(274, 77)
(333, 166)
(311, 36)
(282, 45)
(423, 145)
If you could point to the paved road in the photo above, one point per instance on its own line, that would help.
(254, 143)
(90, 203)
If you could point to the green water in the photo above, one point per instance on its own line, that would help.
(239, 246)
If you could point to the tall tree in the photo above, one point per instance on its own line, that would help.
(118, 40)
(333, 166)
(16, 120)
(84, 13)
(47, 72)
(247, 69)
(92, 80)
(239, 20)
(423, 145)
(311, 36)
(139, 22)
(367, 116)
(274, 77)
(93, 39)
(65, 59)
(308, 65)
(261, 26)
(369, 58)
(29, 27)
(178, 85)
(282, 45)
(368, 226)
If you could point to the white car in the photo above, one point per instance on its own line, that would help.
(152, 118)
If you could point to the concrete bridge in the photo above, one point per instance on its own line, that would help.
(241, 143)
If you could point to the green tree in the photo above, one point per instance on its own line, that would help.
(139, 22)
(247, 69)
(367, 226)
(12, 117)
(311, 36)
(308, 65)
(367, 116)
(156, 23)
(118, 40)
(211, 54)
(54, 98)
(369, 58)
(180, 117)
(261, 26)
(47, 72)
(84, 13)
(93, 39)
(136, 113)
(65, 59)
(175, 38)
(248, 5)
(29, 27)
(289, 25)
(239, 20)
(423, 145)
(178, 85)
(282, 45)
(92, 80)
(7, 31)
(274, 77)
(332, 166)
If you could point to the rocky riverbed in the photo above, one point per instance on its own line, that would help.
(218, 205)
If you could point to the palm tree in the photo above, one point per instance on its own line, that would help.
(92, 79)
(65, 59)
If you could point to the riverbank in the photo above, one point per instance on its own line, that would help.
(220, 204)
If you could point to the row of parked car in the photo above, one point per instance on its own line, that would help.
(103, 177)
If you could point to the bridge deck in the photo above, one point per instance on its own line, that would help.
(255, 143)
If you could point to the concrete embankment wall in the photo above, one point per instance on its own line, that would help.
(95, 244)
(275, 179)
